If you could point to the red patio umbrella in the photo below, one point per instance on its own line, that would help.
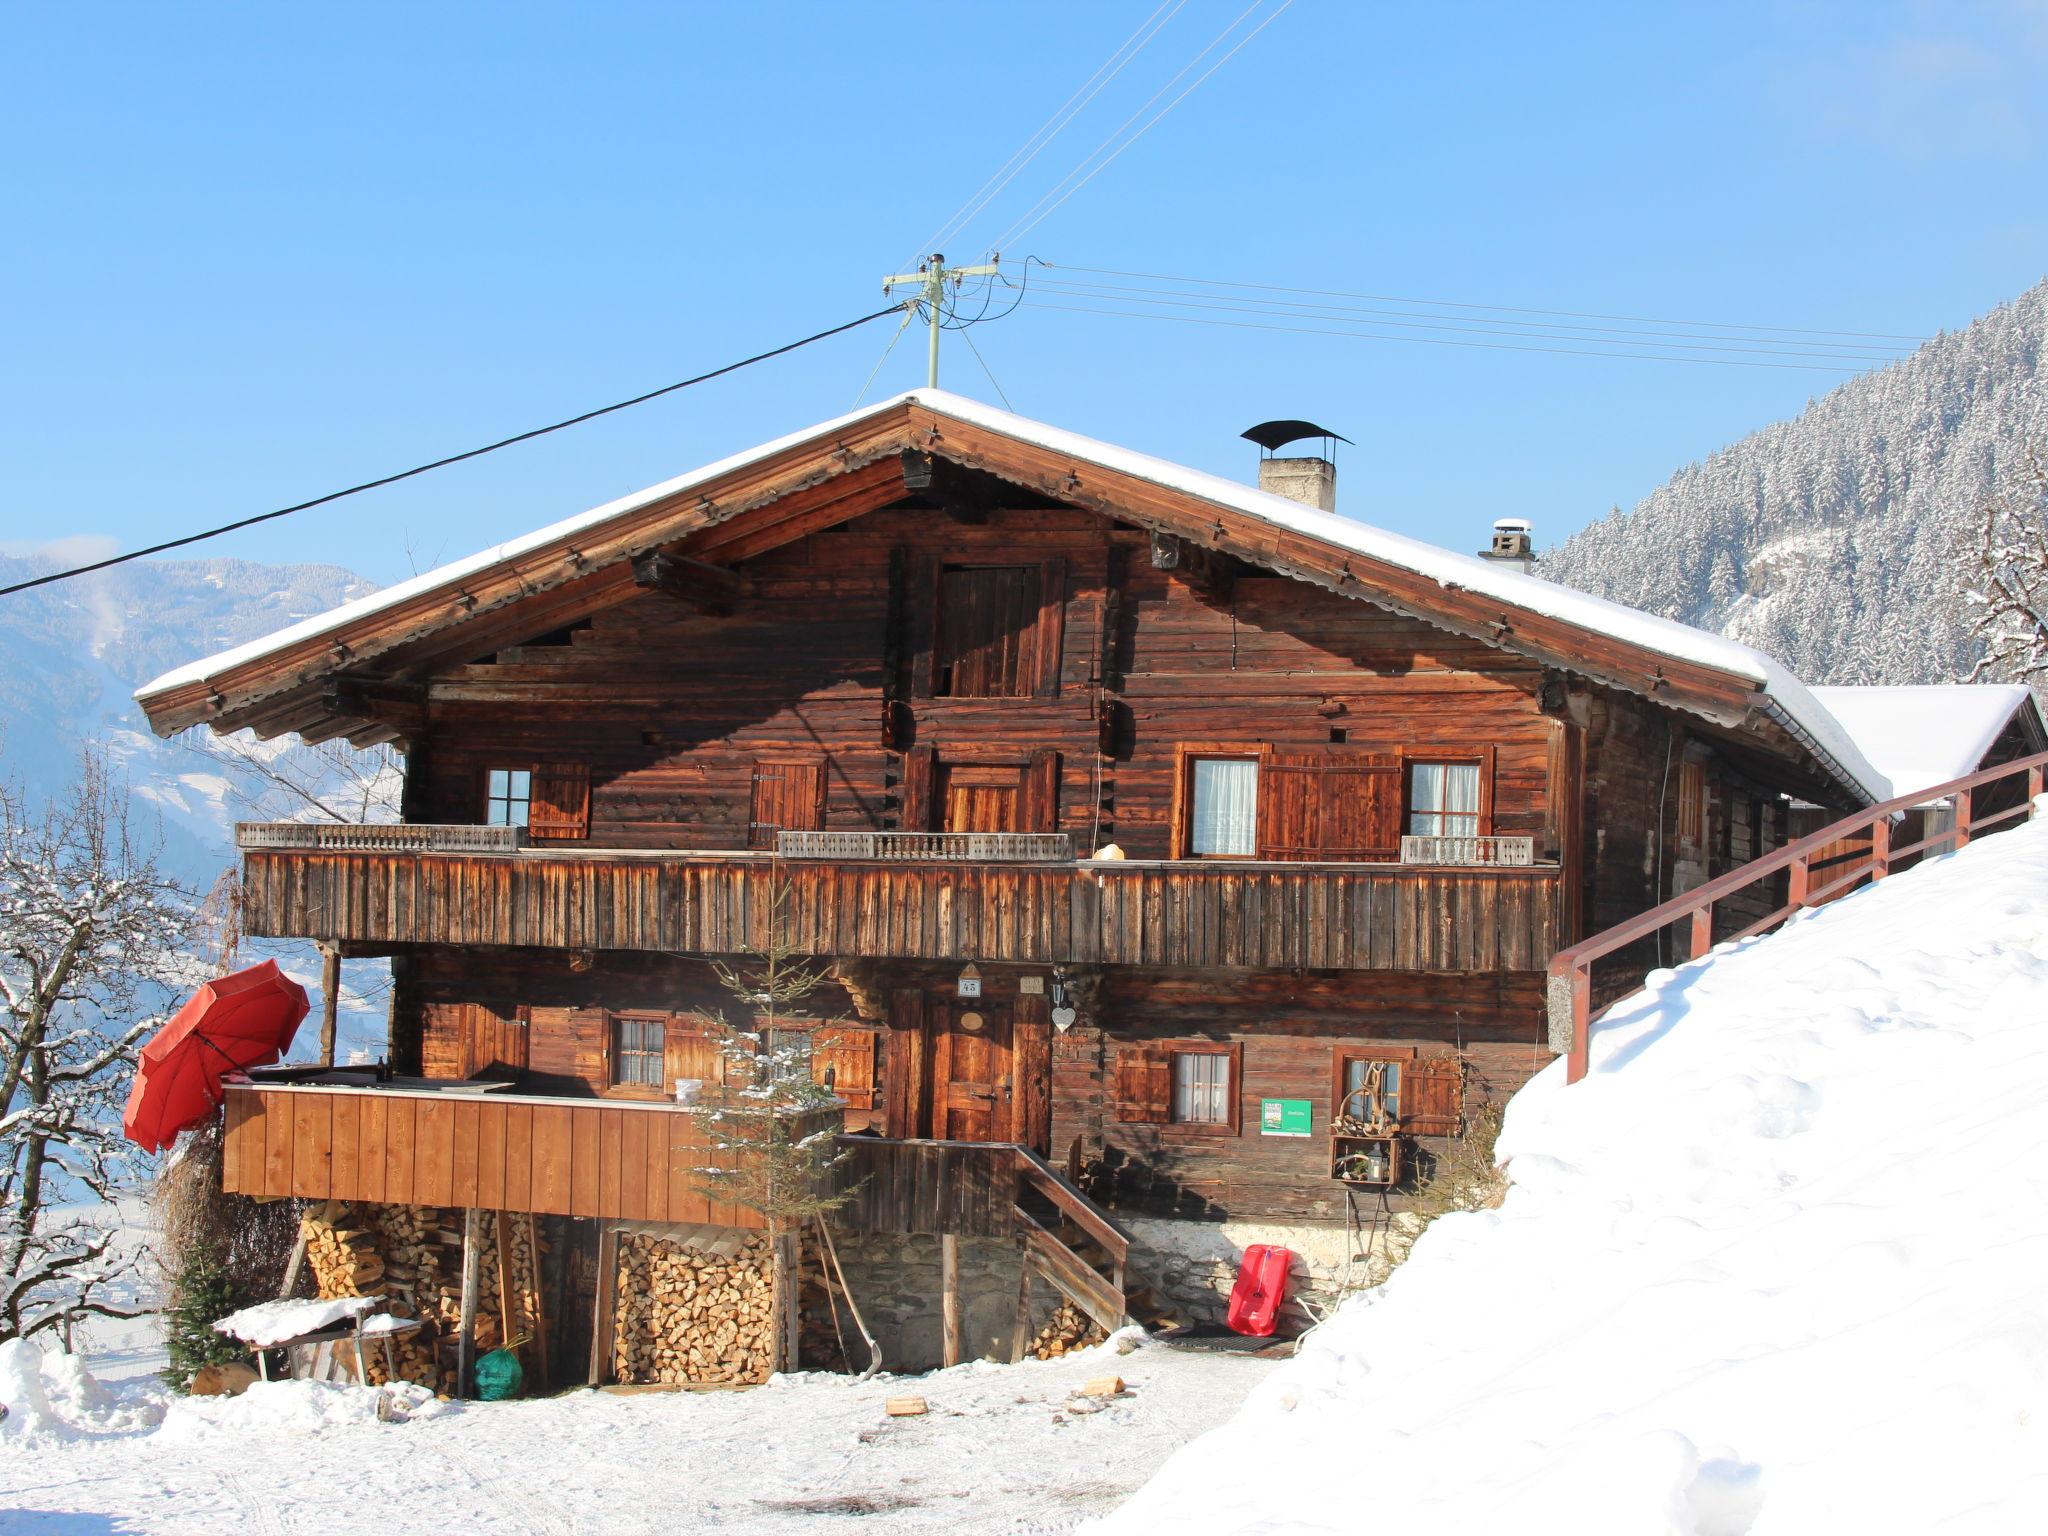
(239, 1021)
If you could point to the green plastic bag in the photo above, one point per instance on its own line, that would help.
(498, 1376)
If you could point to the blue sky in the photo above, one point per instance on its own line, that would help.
(255, 253)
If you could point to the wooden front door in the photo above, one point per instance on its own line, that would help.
(974, 1074)
(981, 798)
(788, 797)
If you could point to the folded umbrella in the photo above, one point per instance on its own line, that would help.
(229, 1025)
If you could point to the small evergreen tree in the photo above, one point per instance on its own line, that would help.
(202, 1292)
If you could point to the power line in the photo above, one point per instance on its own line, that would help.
(1566, 314)
(453, 458)
(1682, 341)
(1033, 217)
(1063, 118)
(1115, 292)
(1440, 341)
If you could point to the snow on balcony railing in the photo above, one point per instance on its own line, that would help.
(1514, 852)
(389, 837)
(976, 847)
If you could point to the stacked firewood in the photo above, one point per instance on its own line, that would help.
(688, 1313)
(1068, 1329)
(387, 1251)
(522, 1307)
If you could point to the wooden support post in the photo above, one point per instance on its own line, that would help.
(786, 1309)
(472, 1284)
(1797, 878)
(330, 988)
(1880, 848)
(1020, 1338)
(1702, 930)
(1964, 813)
(949, 1295)
(607, 1293)
(1580, 983)
(2037, 778)
(292, 1266)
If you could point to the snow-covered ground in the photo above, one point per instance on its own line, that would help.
(1780, 1265)
(999, 1452)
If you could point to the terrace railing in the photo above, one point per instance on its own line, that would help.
(974, 847)
(381, 837)
(1510, 852)
(1831, 854)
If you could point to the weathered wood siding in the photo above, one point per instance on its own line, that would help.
(1193, 914)
(626, 1162)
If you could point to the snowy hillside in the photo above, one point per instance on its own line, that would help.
(74, 652)
(1775, 1267)
(1831, 540)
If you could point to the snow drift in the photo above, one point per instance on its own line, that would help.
(1776, 1266)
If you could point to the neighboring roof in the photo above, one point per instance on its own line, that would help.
(1777, 692)
(1922, 736)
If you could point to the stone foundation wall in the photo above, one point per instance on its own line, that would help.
(1192, 1265)
(895, 1281)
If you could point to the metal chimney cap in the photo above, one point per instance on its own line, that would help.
(1275, 435)
(1513, 525)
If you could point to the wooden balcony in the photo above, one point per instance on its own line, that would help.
(1238, 914)
(604, 1158)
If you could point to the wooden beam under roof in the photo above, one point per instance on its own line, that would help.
(696, 584)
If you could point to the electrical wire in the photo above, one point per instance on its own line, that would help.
(967, 335)
(1093, 86)
(1567, 314)
(909, 314)
(1033, 217)
(453, 458)
(1443, 341)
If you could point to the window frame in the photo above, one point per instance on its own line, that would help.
(616, 1053)
(1691, 830)
(491, 801)
(1232, 1052)
(1342, 1056)
(1180, 837)
(1414, 758)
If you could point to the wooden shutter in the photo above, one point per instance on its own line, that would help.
(691, 1050)
(988, 632)
(1049, 631)
(1432, 1095)
(1144, 1084)
(849, 1054)
(1041, 811)
(788, 797)
(560, 807)
(920, 619)
(920, 775)
(491, 1041)
(591, 1030)
(1330, 806)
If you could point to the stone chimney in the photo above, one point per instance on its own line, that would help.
(1310, 479)
(1514, 543)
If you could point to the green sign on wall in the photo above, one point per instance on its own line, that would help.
(1284, 1117)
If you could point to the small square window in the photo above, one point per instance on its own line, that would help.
(1443, 799)
(1361, 1092)
(637, 1052)
(508, 797)
(1224, 797)
(1201, 1088)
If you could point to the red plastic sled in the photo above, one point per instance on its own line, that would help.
(1261, 1288)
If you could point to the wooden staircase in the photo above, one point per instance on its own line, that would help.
(1817, 869)
(1078, 1248)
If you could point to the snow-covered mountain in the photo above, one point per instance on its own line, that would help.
(72, 655)
(1836, 540)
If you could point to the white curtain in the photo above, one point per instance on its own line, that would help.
(1443, 800)
(1201, 1088)
(1226, 815)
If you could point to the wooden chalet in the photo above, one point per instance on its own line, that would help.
(1156, 828)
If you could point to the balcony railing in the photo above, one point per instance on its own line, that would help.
(979, 847)
(385, 837)
(1504, 852)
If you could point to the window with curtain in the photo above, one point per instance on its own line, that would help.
(1224, 796)
(1201, 1088)
(1443, 799)
(508, 794)
(637, 1052)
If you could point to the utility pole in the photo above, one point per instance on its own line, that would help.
(931, 276)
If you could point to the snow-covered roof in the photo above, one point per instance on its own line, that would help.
(1926, 735)
(1786, 696)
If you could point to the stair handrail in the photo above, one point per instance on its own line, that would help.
(1077, 1207)
(1571, 970)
